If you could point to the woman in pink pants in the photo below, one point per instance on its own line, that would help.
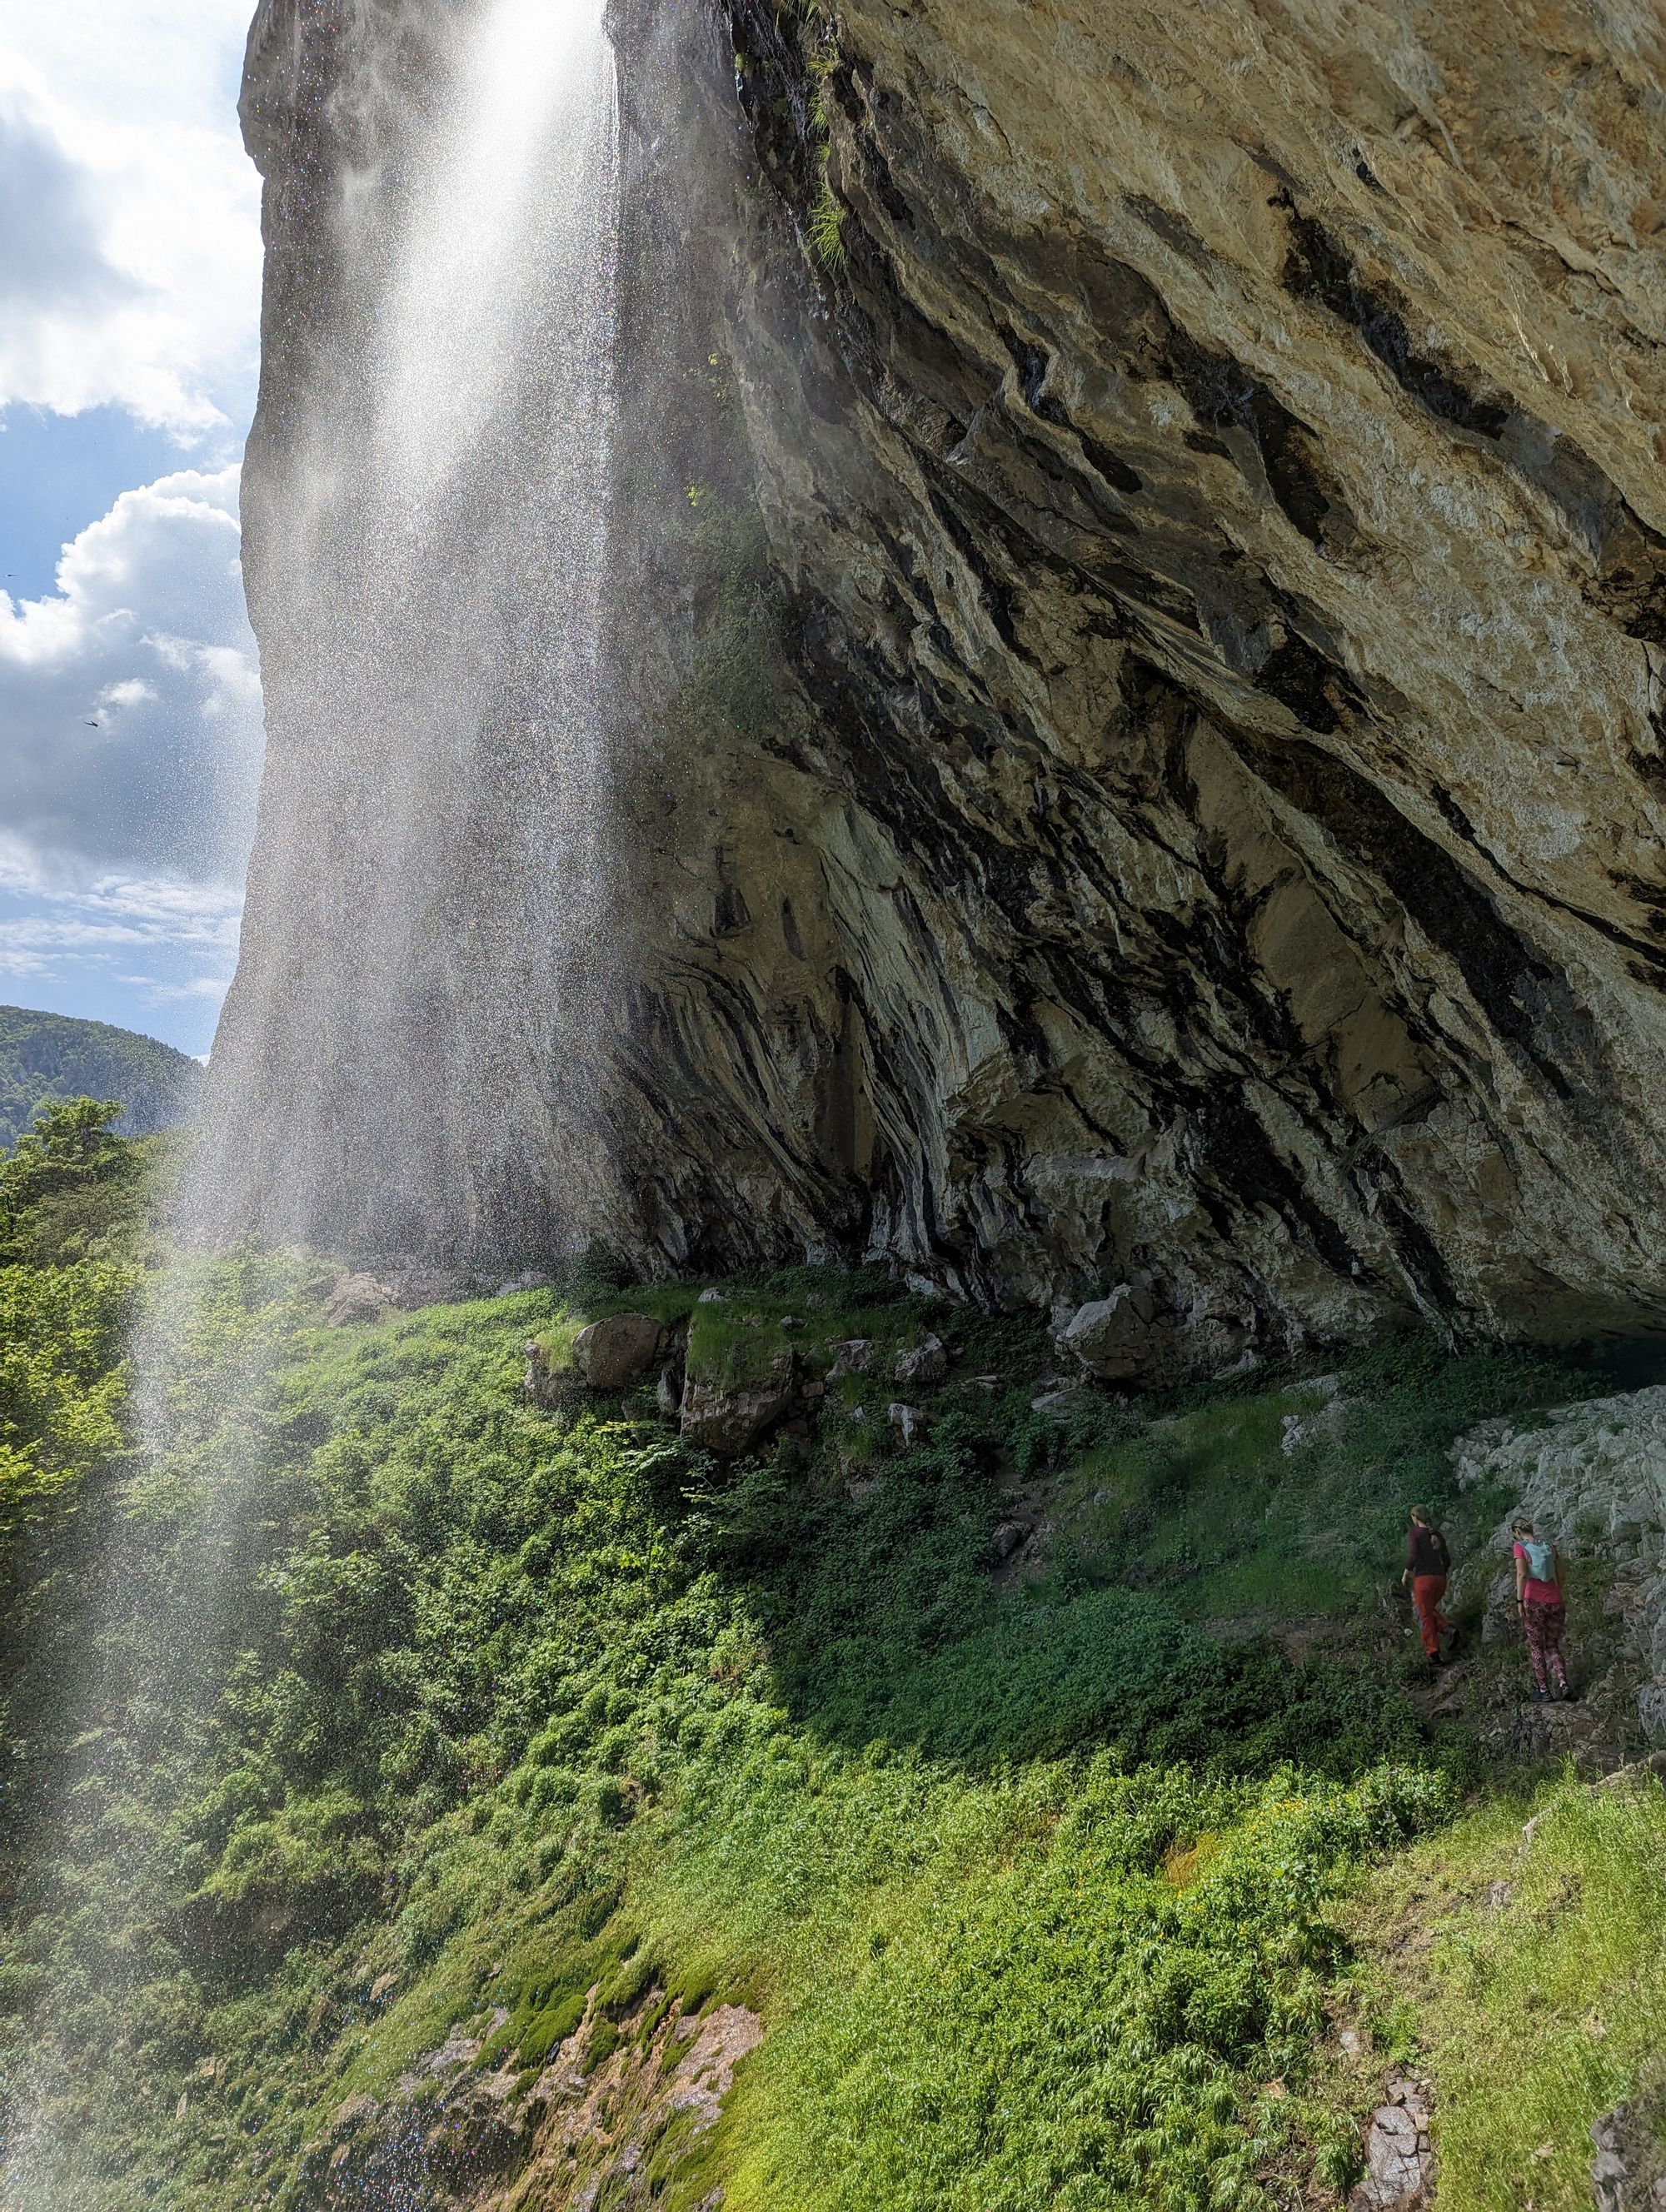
(1539, 1596)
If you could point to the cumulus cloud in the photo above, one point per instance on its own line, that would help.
(129, 215)
(129, 699)
(129, 703)
(55, 262)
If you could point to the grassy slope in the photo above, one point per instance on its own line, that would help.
(1525, 1971)
(1042, 1892)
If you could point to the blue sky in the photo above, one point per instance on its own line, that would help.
(130, 707)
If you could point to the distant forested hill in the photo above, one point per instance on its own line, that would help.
(46, 1056)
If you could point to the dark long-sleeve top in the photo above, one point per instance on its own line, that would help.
(1426, 1550)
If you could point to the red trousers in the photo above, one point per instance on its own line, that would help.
(1427, 1590)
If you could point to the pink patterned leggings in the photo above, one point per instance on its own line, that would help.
(1544, 1625)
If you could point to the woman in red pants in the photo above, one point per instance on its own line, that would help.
(1539, 1595)
(1428, 1562)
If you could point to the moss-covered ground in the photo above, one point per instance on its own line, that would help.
(1052, 1878)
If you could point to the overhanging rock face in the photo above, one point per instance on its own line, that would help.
(1172, 796)
(1220, 476)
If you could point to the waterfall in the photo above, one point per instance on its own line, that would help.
(422, 942)
(415, 989)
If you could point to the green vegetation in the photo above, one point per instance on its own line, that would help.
(522, 1735)
(1235, 1516)
(732, 692)
(45, 1058)
(1528, 1973)
(60, 1382)
(75, 1205)
(825, 222)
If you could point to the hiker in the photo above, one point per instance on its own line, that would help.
(1539, 1597)
(1428, 1563)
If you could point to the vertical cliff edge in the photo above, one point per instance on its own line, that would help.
(1135, 642)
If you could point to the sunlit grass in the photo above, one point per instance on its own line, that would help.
(1528, 1973)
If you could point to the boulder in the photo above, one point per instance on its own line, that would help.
(398, 1286)
(1400, 2163)
(358, 1298)
(1628, 2173)
(1056, 1395)
(1009, 1537)
(853, 1357)
(921, 1363)
(729, 1418)
(618, 1350)
(1129, 1338)
(908, 1420)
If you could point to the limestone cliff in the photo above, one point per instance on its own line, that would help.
(1174, 794)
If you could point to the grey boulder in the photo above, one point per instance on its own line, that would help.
(729, 1419)
(1400, 2163)
(1129, 1338)
(921, 1363)
(616, 1352)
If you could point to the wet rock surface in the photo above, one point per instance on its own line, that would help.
(1159, 519)
(371, 1294)
(1128, 1338)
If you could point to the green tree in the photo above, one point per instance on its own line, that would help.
(71, 1189)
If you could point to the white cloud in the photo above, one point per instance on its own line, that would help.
(130, 272)
(55, 263)
(49, 934)
(129, 701)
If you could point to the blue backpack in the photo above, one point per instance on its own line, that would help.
(1541, 1558)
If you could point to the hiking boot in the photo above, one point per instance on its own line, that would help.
(1540, 1697)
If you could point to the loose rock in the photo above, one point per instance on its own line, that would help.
(1400, 2163)
(908, 1420)
(358, 1298)
(921, 1363)
(1128, 1338)
(728, 1421)
(617, 1351)
(1009, 1537)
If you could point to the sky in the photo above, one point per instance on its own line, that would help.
(129, 692)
